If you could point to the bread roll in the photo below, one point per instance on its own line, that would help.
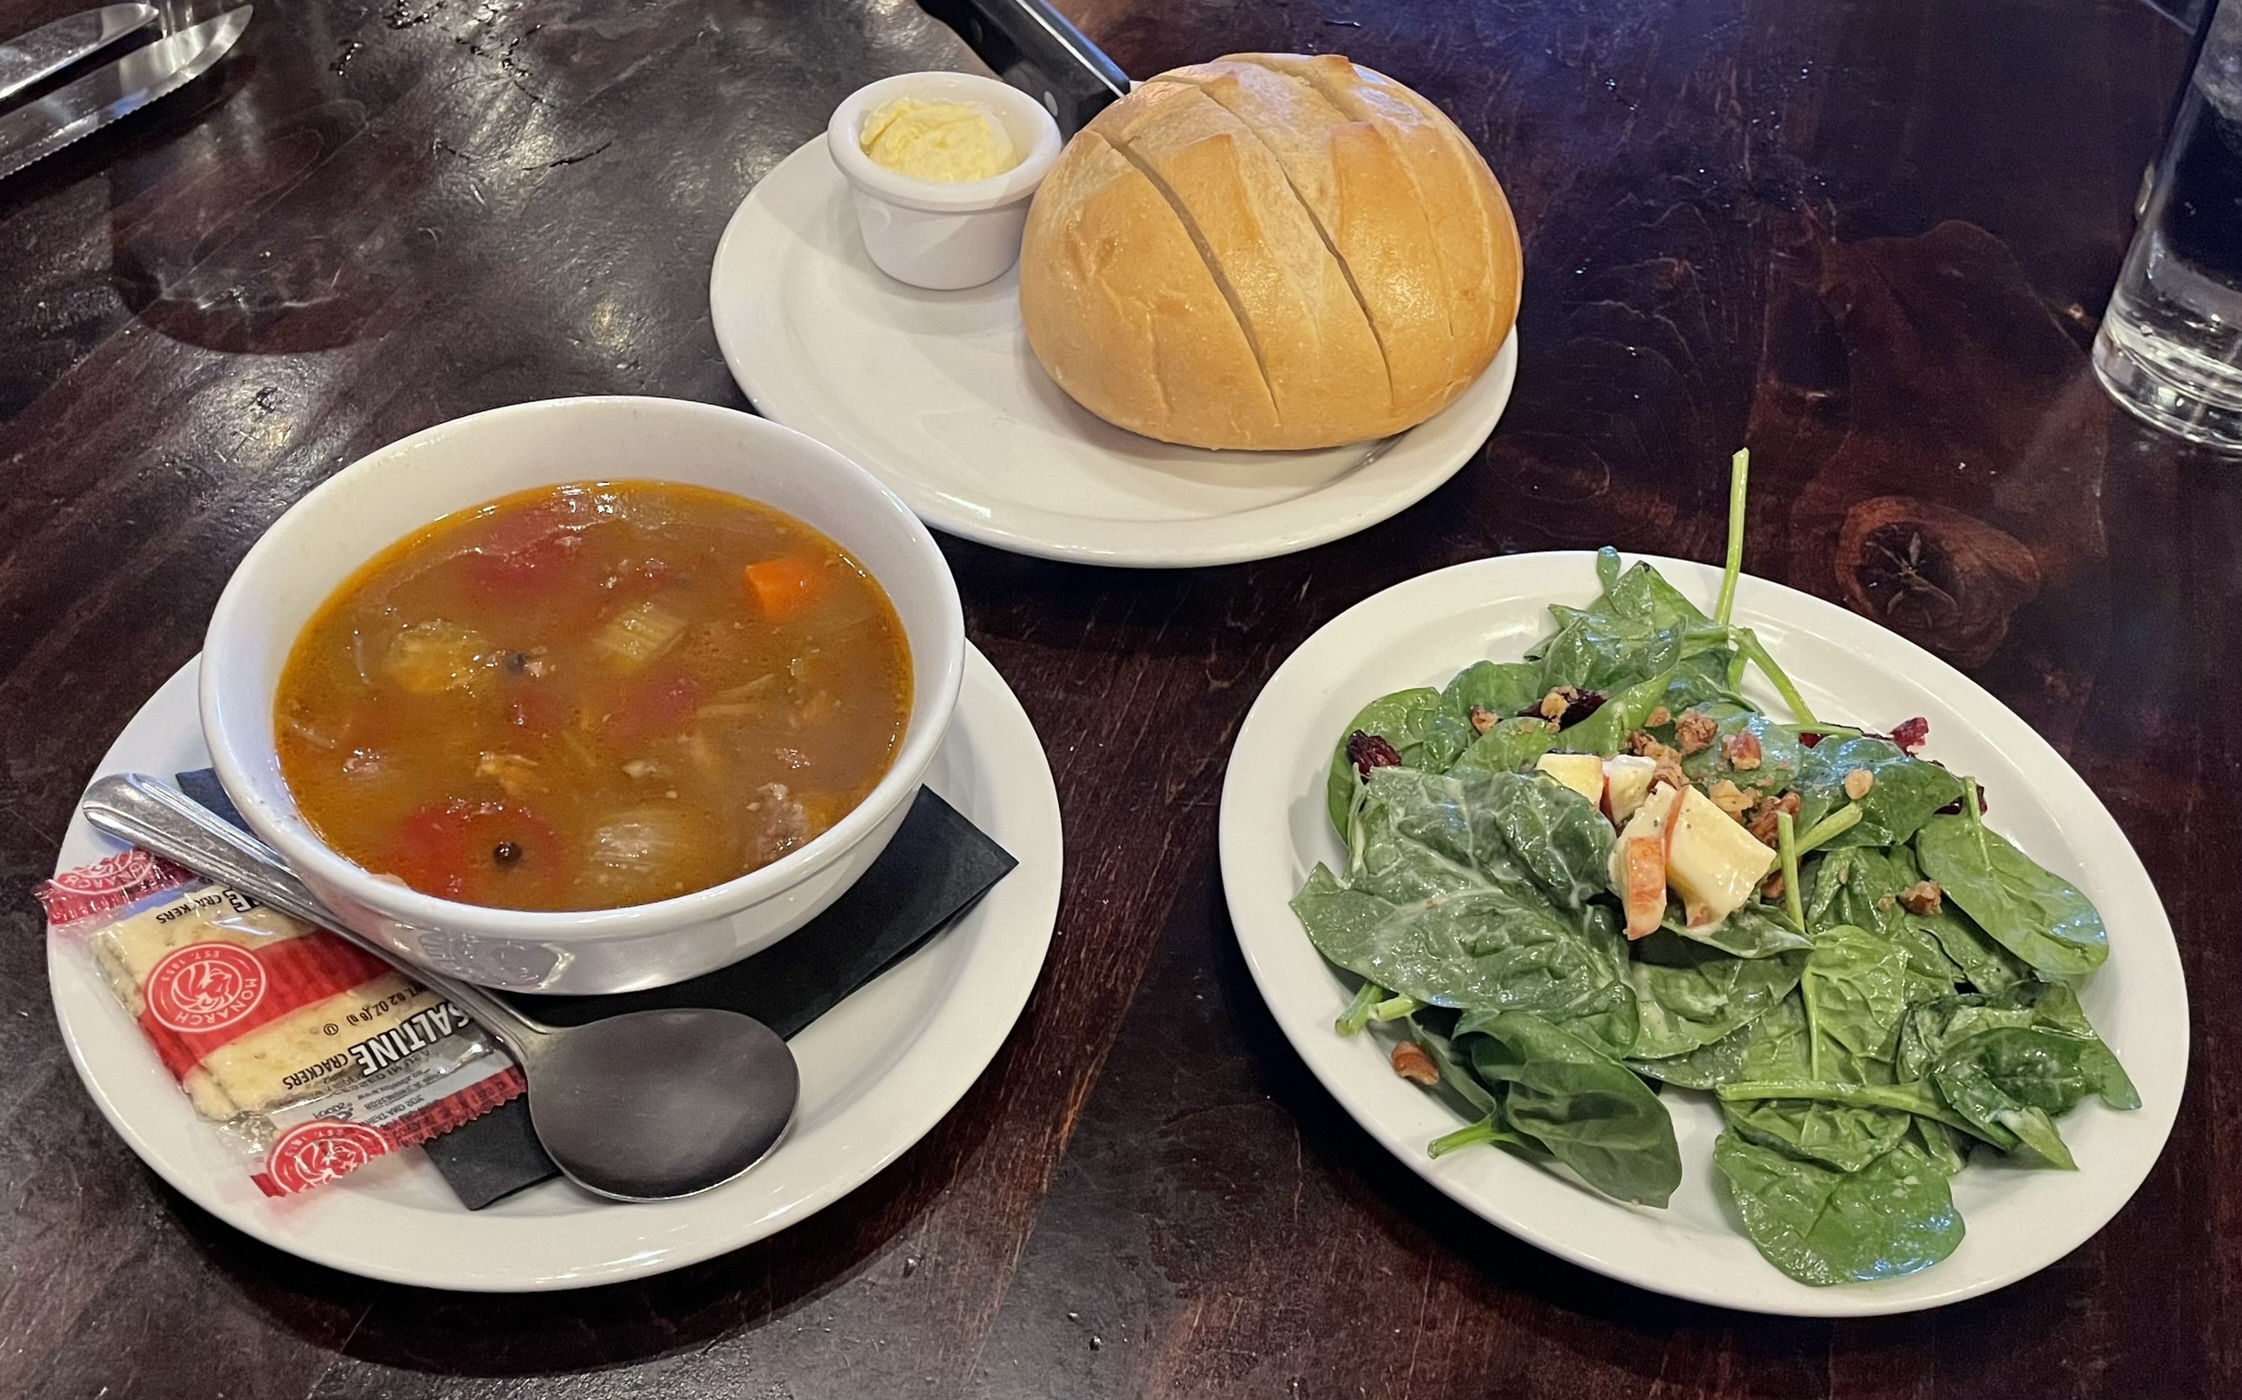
(1269, 251)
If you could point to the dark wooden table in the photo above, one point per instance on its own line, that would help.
(1871, 238)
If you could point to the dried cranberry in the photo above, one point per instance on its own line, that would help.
(1368, 751)
(1579, 705)
(1910, 734)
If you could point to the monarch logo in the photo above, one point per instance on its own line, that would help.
(408, 1037)
(204, 987)
(320, 1150)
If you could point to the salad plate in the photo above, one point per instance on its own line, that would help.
(878, 1070)
(938, 395)
(1276, 827)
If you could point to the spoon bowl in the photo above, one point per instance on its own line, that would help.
(653, 1105)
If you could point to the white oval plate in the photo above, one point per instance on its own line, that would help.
(878, 1070)
(939, 396)
(1422, 632)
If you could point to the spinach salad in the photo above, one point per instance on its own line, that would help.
(1579, 879)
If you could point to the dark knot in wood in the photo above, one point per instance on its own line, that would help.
(1934, 574)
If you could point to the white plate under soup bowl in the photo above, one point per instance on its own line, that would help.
(383, 497)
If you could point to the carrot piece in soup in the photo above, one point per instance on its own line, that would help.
(784, 586)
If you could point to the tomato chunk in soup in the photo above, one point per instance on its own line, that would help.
(593, 695)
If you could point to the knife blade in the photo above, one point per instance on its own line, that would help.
(1034, 48)
(115, 90)
(47, 50)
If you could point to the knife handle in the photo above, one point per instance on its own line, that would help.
(1035, 49)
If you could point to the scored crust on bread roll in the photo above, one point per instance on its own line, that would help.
(1356, 243)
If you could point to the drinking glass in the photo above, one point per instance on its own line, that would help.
(2170, 347)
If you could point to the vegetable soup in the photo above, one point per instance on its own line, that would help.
(593, 695)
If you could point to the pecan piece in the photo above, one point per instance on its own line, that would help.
(1762, 823)
(1482, 719)
(1922, 897)
(1412, 1063)
(1742, 750)
(1730, 798)
(1695, 730)
(1645, 743)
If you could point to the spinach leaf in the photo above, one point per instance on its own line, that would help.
(2040, 1038)
(1845, 1134)
(1421, 833)
(1596, 650)
(1420, 726)
(1780, 753)
(1505, 689)
(2000, 1119)
(1707, 1067)
(2031, 911)
(1560, 837)
(1492, 946)
(1847, 1137)
(1589, 1111)
(1688, 995)
(1606, 1018)
(1906, 791)
(1944, 945)
(1947, 1148)
(1984, 964)
(1766, 1048)
(1510, 747)
(1931, 1028)
(1892, 1217)
(1437, 907)
(1701, 679)
(1642, 592)
(1861, 886)
(2046, 1069)
(1855, 989)
(1605, 732)
(1753, 930)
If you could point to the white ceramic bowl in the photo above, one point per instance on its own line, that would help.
(937, 234)
(380, 498)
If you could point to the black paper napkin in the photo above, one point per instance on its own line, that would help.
(937, 867)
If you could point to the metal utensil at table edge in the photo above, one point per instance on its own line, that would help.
(116, 90)
(29, 59)
(645, 1106)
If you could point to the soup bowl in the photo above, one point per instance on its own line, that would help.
(324, 538)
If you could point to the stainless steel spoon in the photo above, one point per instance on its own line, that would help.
(646, 1106)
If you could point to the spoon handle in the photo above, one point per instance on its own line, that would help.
(157, 817)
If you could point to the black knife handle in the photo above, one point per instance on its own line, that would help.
(1035, 49)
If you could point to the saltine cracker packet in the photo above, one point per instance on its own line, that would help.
(311, 1054)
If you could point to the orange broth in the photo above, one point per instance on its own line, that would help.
(593, 695)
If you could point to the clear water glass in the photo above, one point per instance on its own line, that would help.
(2170, 347)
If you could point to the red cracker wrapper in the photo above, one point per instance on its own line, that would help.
(313, 1055)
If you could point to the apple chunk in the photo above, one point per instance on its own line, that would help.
(1582, 772)
(1638, 861)
(1711, 861)
(1626, 784)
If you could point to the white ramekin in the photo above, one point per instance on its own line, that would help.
(380, 498)
(937, 234)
